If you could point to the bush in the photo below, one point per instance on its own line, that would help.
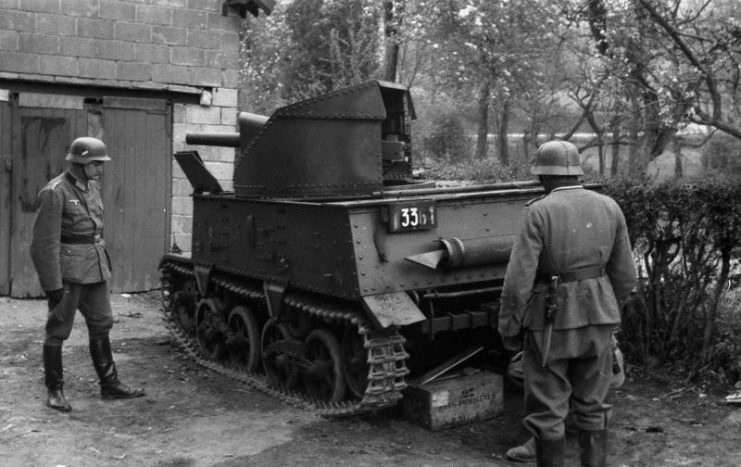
(685, 236)
(446, 139)
(477, 171)
(722, 155)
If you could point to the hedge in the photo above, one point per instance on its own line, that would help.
(687, 238)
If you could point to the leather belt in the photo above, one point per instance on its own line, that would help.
(80, 240)
(593, 272)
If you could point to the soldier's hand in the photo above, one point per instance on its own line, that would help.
(513, 344)
(55, 297)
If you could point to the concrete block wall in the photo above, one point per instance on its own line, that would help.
(183, 46)
(219, 117)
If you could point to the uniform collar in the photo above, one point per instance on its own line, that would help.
(76, 181)
(570, 187)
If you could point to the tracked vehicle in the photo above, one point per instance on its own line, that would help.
(329, 274)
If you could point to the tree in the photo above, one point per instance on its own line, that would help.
(489, 49)
(705, 41)
(334, 44)
(678, 63)
(393, 15)
(262, 58)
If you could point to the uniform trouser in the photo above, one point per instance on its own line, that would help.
(577, 376)
(94, 303)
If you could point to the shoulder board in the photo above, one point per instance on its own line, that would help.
(535, 199)
(54, 183)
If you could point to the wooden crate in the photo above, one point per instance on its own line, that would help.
(454, 401)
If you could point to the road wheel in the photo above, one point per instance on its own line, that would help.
(243, 339)
(210, 329)
(325, 376)
(185, 301)
(278, 367)
(355, 361)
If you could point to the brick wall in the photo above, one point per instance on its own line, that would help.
(182, 46)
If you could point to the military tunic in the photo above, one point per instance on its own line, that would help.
(69, 253)
(570, 229)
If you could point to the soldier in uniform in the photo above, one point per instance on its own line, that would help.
(69, 255)
(570, 270)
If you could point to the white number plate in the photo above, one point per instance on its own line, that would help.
(412, 216)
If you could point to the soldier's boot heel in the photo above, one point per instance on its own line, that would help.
(550, 452)
(593, 445)
(56, 400)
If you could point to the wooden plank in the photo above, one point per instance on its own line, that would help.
(448, 365)
(137, 191)
(5, 171)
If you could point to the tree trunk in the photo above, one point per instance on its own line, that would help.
(615, 166)
(635, 165)
(391, 54)
(482, 135)
(503, 131)
(678, 170)
(601, 153)
(713, 312)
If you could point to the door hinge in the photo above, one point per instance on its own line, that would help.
(8, 163)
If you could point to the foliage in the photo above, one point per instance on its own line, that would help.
(685, 235)
(630, 71)
(722, 155)
(262, 53)
(446, 139)
(334, 44)
(472, 170)
(659, 65)
(725, 352)
(495, 53)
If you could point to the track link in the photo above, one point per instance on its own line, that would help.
(386, 355)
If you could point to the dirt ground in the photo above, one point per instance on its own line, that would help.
(193, 417)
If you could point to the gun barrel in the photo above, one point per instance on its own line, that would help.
(250, 126)
(230, 140)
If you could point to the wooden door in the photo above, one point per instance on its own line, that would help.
(43, 127)
(136, 184)
(136, 189)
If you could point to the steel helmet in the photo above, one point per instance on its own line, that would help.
(557, 158)
(86, 149)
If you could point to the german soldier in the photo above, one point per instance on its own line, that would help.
(570, 270)
(69, 255)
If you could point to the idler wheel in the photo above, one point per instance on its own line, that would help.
(209, 329)
(355, 361)
(243, 339)
(325, 375)
(278, 366)
(185, 301)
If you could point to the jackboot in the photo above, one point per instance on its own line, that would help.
(110, 386)
(54, 378)
(550, 452)
(593, 445)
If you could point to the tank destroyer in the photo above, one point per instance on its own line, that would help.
(329, 274)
